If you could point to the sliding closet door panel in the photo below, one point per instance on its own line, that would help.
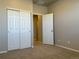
(25, 29)
(13, 30)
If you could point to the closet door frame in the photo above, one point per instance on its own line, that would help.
(31, 14)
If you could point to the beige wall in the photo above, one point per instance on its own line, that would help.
(20, 4)
(40, 28)
(66, 22)
(39, 10)
(3, 27)
(35, 26)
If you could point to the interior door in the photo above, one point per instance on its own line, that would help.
(25, 29)
(13, 29)
(48, 29)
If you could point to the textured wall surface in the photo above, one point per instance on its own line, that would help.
(40, 10)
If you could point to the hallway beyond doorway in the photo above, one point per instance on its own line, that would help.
(37, 22)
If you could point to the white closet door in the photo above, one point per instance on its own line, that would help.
(13, 30)
(48, 29)
(25, 29)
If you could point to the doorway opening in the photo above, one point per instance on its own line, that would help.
(37, 24)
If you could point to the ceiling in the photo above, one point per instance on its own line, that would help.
(44, 2)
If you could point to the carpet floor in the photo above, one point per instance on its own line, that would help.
(41, 52)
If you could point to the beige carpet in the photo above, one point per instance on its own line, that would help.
(41, 52)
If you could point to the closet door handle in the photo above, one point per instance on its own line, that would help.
(51, 30)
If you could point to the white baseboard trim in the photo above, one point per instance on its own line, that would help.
(3, 52)
(67, 48)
